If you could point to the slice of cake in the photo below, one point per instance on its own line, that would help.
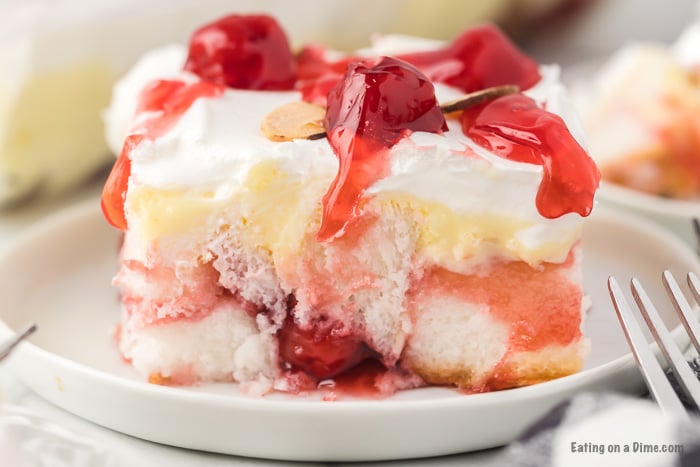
(641, 114)
(290, 217)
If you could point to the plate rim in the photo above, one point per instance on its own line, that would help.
(646, 202)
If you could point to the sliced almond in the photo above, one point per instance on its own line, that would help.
(302, 120)
(477, 97)
(293, 121)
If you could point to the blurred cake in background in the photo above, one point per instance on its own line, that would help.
(60, 59)
(641, 114)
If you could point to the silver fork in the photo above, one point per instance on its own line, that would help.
(7, 347)
(659, 386)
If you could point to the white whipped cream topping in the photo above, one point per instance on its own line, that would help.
(218, 140)
(163, 63)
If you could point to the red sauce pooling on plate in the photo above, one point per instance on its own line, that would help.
(167, 100)
(359, 381)
(479, 58)
(515, 128)
(376, 104)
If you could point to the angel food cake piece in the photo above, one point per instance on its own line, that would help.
(288, 217)
(642, 117)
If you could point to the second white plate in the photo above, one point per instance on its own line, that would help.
(58, 275)
(674, 214)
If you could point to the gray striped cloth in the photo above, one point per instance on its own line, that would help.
(606, 430)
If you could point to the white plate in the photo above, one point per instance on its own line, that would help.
(675, 214)
(58, 276)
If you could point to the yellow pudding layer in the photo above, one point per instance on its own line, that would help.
(448, 238)
(275, 210)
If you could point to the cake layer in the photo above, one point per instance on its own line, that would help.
(374, 287)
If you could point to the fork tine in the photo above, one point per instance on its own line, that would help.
(653, 374)
(674, 357)
(682, 306)
(694, 284)
(9, 346)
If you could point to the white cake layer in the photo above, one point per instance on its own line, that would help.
(224, 346)
(451, 334)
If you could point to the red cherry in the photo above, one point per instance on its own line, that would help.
(322, 350)
(376, 104)
(479, 58)
(516, 128)
(379, 100)
(244, 52)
